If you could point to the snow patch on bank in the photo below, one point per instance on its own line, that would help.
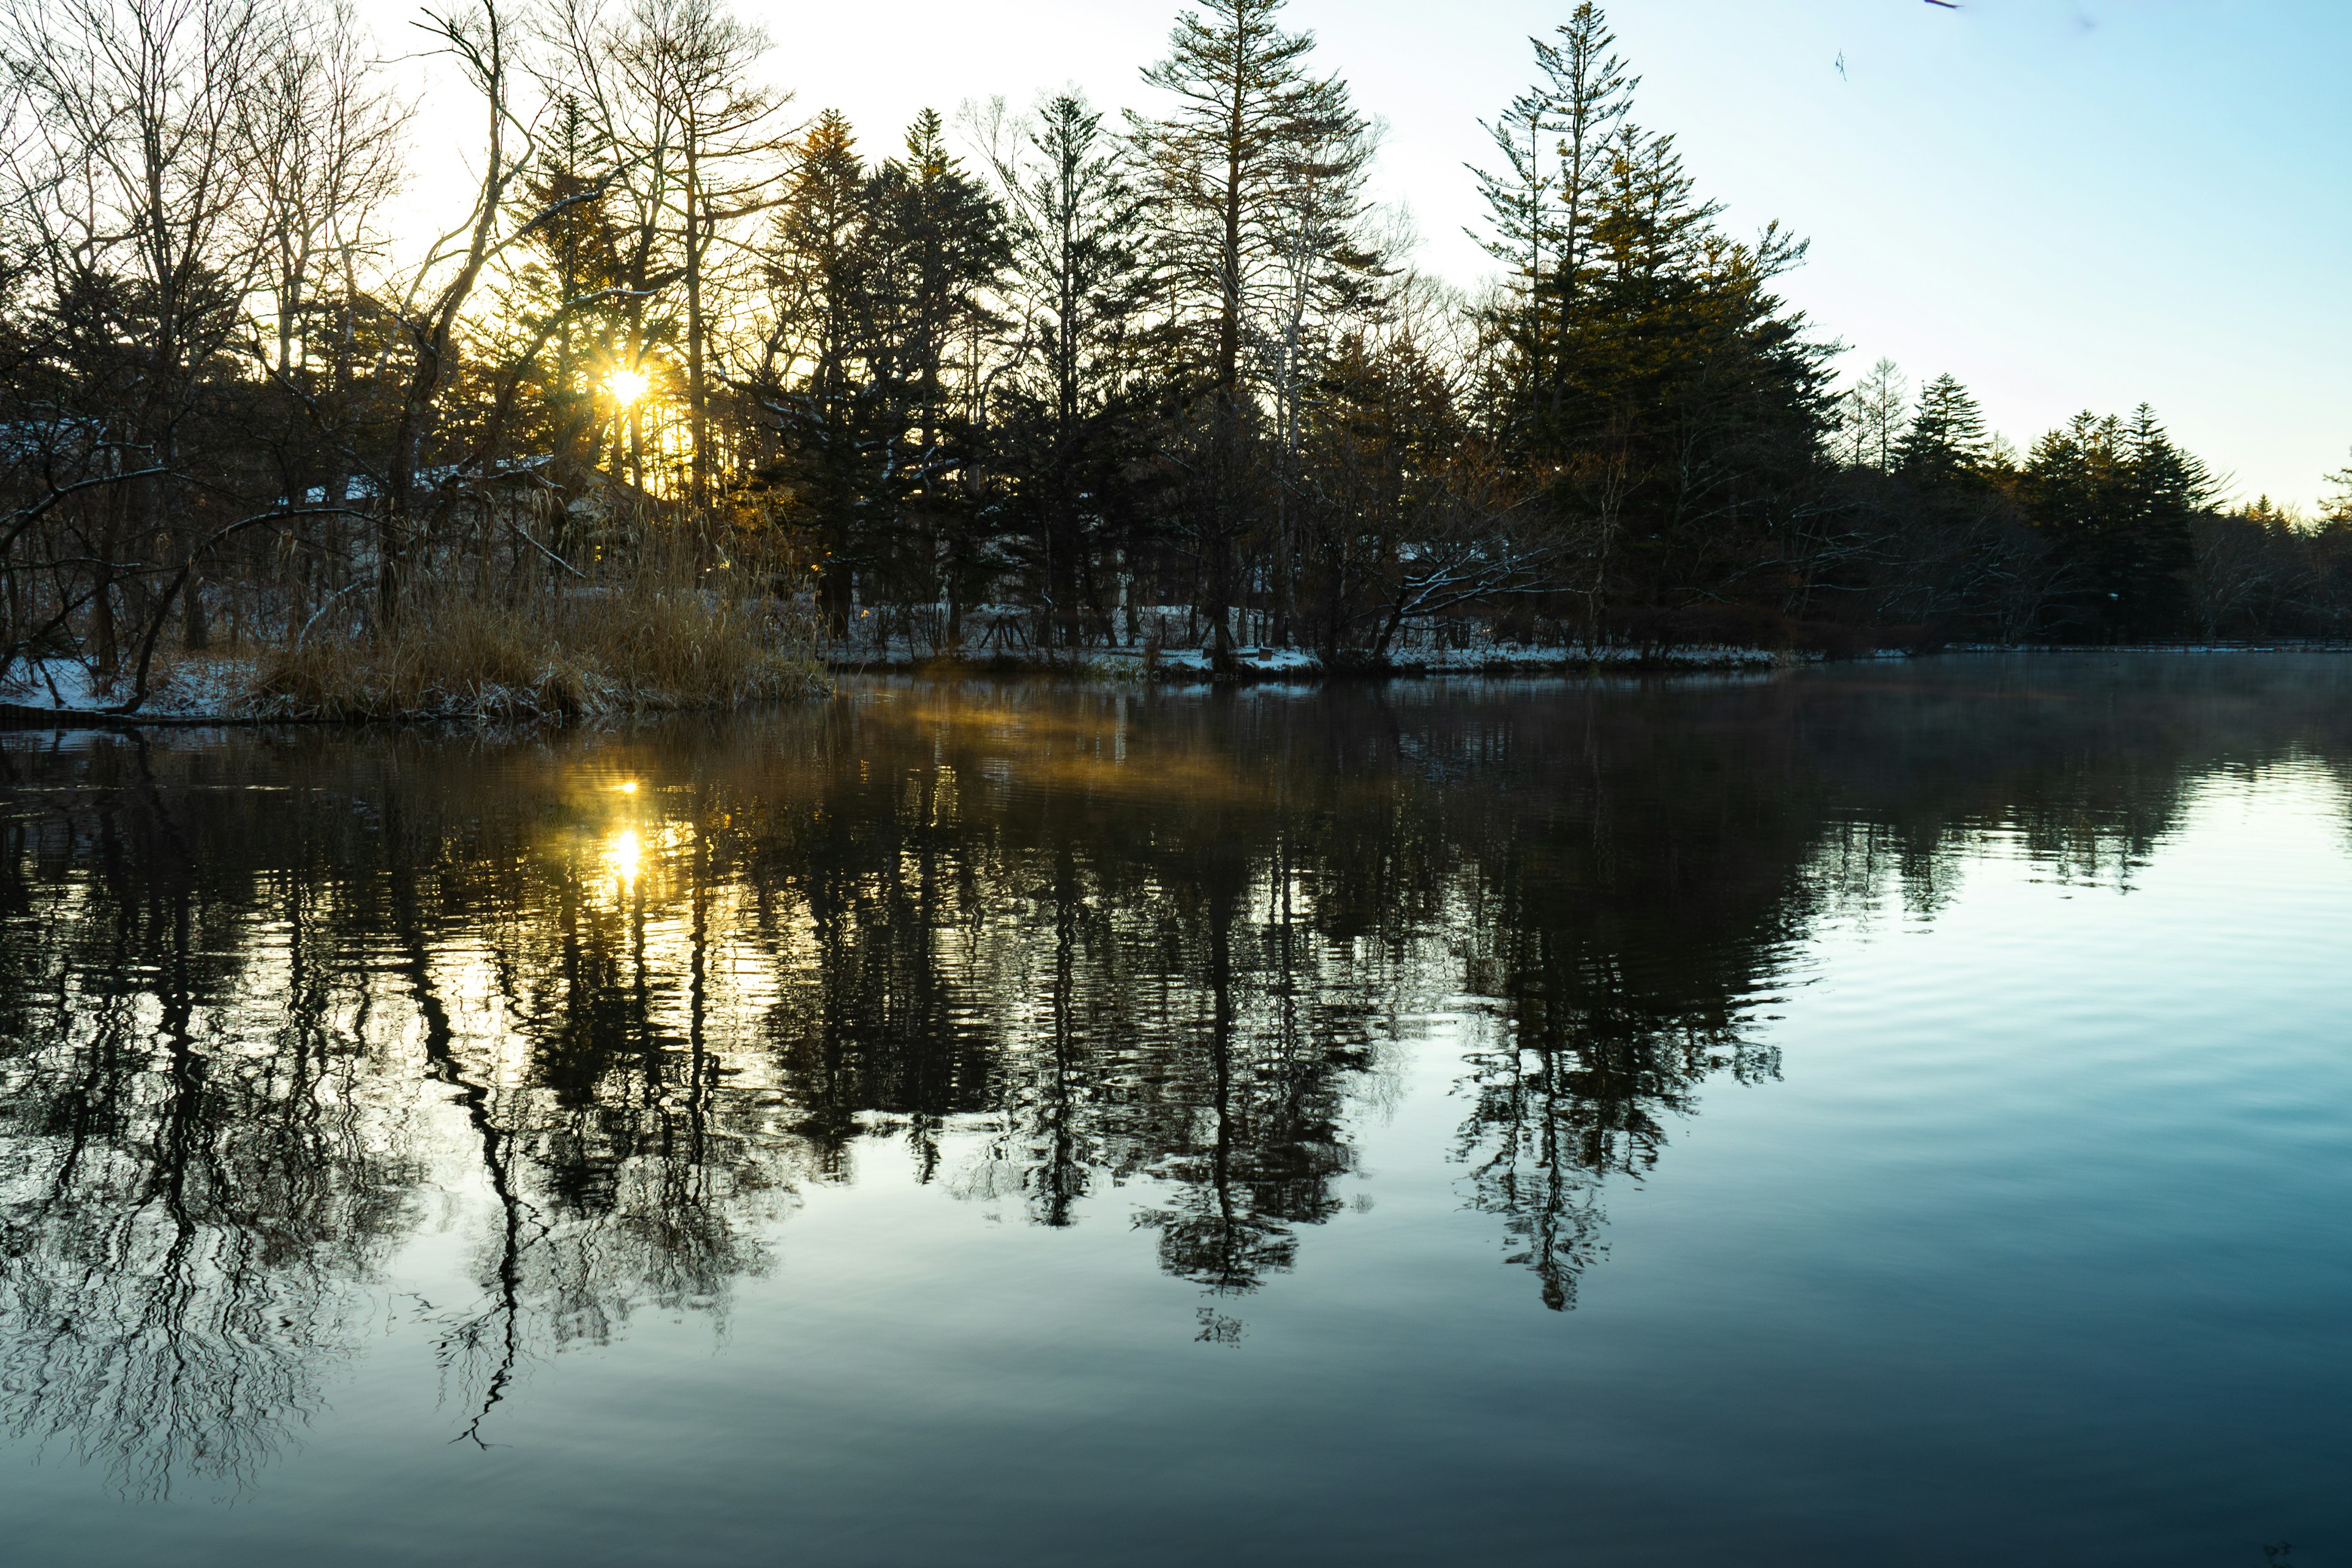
(1196, 663)
(187, 688)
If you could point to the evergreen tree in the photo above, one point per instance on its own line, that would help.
(1384, 439)
(936, 246)
(811, 375)
(2118, 501)
(2336, 505)
(1330, 276)
(1558, 141)
(1221, 162)
(1693, 403)
(1070, 406)
(564, 301)
(1945, 441)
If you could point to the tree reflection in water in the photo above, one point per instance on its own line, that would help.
(268, 1008)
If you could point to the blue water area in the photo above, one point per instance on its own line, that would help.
(1877, 1113)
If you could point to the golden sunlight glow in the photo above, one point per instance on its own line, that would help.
(629, 788)
(625, 386)
(624, 855)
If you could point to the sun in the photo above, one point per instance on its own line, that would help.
(625, 386)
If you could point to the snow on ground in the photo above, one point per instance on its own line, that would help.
(187, 685)
(1132, 663)
(52, 683)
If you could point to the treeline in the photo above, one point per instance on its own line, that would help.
(1042, 379)
(2106, 531)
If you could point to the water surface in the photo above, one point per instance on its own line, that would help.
(1885, 1113)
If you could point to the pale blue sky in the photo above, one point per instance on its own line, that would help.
(2065, 203)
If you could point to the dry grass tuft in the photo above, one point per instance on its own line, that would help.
(642, 639)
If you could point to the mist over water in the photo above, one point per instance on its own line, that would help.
(1884, 1112)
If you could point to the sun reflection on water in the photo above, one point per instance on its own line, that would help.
(623, 856)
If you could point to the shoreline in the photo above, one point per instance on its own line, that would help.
(1187, 668)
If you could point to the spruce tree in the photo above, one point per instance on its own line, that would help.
(565, 296)
(1947, 440)
(1558, 141)
(1220, 162)
(935, 247)
(814, 363)
(1067, 407)
(2117, 501)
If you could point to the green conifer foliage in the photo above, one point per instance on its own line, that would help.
(1947, 442)
(2117, 499)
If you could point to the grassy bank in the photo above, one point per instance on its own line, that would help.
(657, 630)
(647, 641)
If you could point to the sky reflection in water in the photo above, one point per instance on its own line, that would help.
(1890, 1113)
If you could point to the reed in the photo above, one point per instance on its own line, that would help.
(658, 632)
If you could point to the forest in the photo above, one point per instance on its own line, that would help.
(686, 364)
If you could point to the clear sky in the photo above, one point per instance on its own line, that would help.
(2067, 204)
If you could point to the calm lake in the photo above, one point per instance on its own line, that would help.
(1884, 1113)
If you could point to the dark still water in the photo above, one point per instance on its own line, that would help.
(1887, 1114)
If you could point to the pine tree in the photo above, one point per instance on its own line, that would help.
(938, 241)
(1558, 141)
(1220, 164)
(1947, 440)
(2336, 508)
(2167, 489)
(2118, 501)
(1693, 406)
(1068, 402)
(935, 246)
(566, 295)
(814, 365)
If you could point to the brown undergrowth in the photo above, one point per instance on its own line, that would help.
(648, 636)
